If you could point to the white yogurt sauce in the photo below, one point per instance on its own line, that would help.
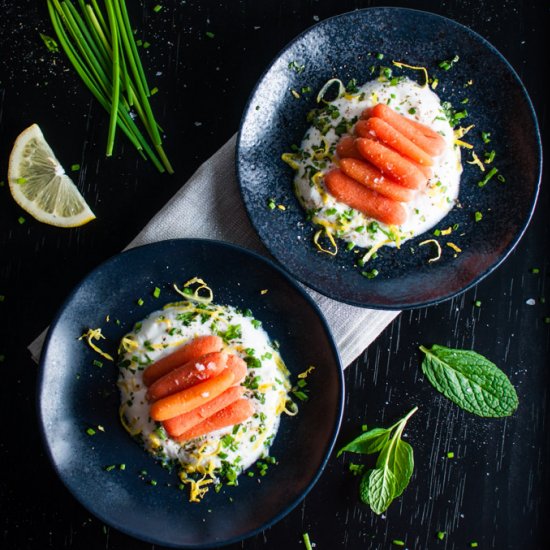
(428, 206)
(226, 452)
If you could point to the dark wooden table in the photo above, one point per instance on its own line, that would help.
(495, 489)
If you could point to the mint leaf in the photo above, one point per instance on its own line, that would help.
(368, 442)
(381, 489)
(470, 380)
(400, 460)
(364, 486)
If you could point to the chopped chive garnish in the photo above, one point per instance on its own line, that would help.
(441, 535)
(153, 482)
(370, 274)
(535, 270)
(21, 220)
(492, 172)
(474, 544)
(477, 303)
(97, 363)
(50, 43)
(210, 34)
(450, 454)
(154, 90)
(486, 137)
(398, 542)
(146, 45)
(478, 216)
(75, 167)
(90, 431)
(157, 8)
(140, 302)
(122, 466)
(307, 542)
(110, 468)
(21, 180)
(156, 292)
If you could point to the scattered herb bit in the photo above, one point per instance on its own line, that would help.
(21, 220)
(370, 274)
(51, 44)
(474, 544)
(21, 180)
(412, 111)
(271, 204)
(156, 292)
(157, 8)
(356, 469)
(397, 542)
(122, 467)
(140, 302)
(492, 172)
(110, 468)
(478, 216)
(441, 535)
(97, 363)
(447, 64)
(450, 454)
(90, 431)
(394, 466)
(75, 167)
(379, 56)
(307, 542)
(296, 67)
(154, 90)
(210, 34)
(535, 270)
(470, 381)
(477, 303)
(486, 137)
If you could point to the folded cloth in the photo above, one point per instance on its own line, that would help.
(213, 193)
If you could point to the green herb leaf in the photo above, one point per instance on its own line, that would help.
(399, 458)
(470, 380)
(364, 486)
(368, 442)
(381, 489)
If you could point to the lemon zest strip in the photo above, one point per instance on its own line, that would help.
(461, 143)
(307, 372)
(437, 245)
(328, 84)
(329, 236)
(414, 68)
(289, 158)
(373, 249)
(454, 247)
(95, 334)
(196, 297)
(476, 160)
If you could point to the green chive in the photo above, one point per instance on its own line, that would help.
(51, 44)
(441, 535)
(398, 542)
(478, 216)
(157, 8)
(210, 34)
(492, 172)
(122, 466)
(474, 544)
(450, 454)
(21, 220)
(156, 292)
(535, 270)
(307, 542)
(140, 302)
(90, 431)
(21, 180)
(97, 363)
(154, 90)
(75, 167)
(110, 468)
(153, 482)
(477, 303)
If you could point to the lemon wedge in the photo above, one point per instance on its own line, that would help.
(39, 185)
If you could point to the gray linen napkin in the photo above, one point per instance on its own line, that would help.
(213, 191)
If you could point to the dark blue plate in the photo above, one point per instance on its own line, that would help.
(343, 47)
(74, 395)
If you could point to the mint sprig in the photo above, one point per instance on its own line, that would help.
(394, 466)
(470, 381)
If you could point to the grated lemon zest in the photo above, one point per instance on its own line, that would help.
(327, 85)
(307, 372)
(447, 231)
(454, 247)
(289, 158)
(170, 345)
(373, 249)
(198, 488)
(414, 68)
(315, 180)
(320, 154)
(328, 233)
(95, 334)
(264, 387)
(476, 160)
(461, 143)
(124, 421)
(438, 246)
(463, 130)
(196, 297)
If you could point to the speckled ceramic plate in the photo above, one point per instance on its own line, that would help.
(343, 47)
(75, 394)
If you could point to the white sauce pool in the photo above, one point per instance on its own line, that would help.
(231, 449)
(428, 206)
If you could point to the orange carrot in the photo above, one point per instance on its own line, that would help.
(193, 372)
(235, 413)
(193, 349)
(420, 134)
(191, 398)
(238, 367)
(179, 424)
(346, 148)
(371, 177)
(371, 203)
(387, 134)
(391, 163)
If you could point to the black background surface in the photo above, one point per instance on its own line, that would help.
(494, 491)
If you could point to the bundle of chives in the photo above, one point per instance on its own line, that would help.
(104, 53)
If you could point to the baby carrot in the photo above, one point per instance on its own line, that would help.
(183, 422)
(193, 372)
(346, 148)
(387, 134)
(391, 163)
(190, 398)
(420, 134)
(371, 203)
(371, 177)
(237, 412)
(237, 366)
(193, 349)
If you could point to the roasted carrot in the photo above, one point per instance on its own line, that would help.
(237, 412)
(346, 148)
(183, 422)
(194, 371)
(193, 349)
(388, 135)
(190, 398)
(237, 366)
(371, 203)
(371, 177)
(420, 134)
(391, 163)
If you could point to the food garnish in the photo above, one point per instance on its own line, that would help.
(39, 184)
(470, 381)
(101, 47)
(394, 467)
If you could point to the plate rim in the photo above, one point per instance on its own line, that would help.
(332, 438)
(403, 305)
